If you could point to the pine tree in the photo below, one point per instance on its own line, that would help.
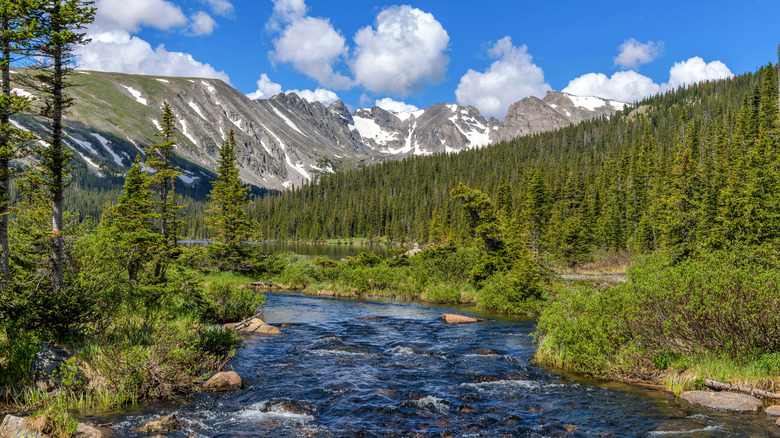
(131, 222)
(61, 23)
(159, 159)
(228, 198)
(16, 32)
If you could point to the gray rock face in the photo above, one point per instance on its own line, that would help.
(532, 115)
(723, 401)
(45, 365)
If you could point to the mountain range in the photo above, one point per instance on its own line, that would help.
(283, 141)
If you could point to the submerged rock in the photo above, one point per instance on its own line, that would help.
(88, 431)
(166, 424)
(224, 381)
(450, 318)
(723, 401)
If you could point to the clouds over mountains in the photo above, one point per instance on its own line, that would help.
(399, 54)
(115, 48)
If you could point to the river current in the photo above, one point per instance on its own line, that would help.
(388, 369)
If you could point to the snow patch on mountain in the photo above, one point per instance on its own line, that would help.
(195, 107)
(370, 129)
(288, 121)
(183, 124)
(105, 143)
(589, 103)
(85, 144)
(23, 93)
(136, 94)
(209, 87)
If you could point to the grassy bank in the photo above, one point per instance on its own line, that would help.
(677, 323)
(440, 274)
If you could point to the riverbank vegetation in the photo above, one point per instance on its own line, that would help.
(102, 315)
(676, 322)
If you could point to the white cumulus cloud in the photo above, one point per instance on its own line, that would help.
(625, 86)
(633, 53)
(395, 106)
(404, 51)
(322, 95)
(118, 51)
(202, 24)
(311, 45)
(131, 15)
(513, 76)
(266, 88)
(219, 7)
(630, 86)
(696, 70)
(286, 11)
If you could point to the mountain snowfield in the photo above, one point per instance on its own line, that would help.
(283, 141)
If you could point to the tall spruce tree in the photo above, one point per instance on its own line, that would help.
(228, 199)
(131, 222)
(61, 23)
(17, 30)
(159, 159)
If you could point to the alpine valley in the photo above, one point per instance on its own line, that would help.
(283, 141)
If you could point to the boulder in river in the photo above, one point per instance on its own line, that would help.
(450, 318)
(722, 401)
(166, 424)
(223, 381)
(258, 326)
(773, 411)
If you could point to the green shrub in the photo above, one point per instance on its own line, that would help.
(18, 352)
(300, 273)
(216, 340)
(723, 302)
(580, 329)
(231, 302)
(443, 293)
(515, 292)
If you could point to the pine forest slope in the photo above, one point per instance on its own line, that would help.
(677, 171)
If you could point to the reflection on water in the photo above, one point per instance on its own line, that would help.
(382, 369)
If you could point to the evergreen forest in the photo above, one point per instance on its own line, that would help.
(688, 170)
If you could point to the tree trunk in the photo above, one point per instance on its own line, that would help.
(5, 176)
(57, 170)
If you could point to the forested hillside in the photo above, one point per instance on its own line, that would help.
(689, 169)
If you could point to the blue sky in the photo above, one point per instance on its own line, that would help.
(410, 55)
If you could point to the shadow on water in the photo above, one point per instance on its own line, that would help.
(386, 369)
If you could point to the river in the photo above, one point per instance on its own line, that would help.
(388, 369)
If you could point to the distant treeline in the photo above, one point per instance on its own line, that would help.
(691, 169)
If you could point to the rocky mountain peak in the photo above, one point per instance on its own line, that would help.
(285, 140)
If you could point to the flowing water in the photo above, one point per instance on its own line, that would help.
(387, 369)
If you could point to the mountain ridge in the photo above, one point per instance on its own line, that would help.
(284, 141)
